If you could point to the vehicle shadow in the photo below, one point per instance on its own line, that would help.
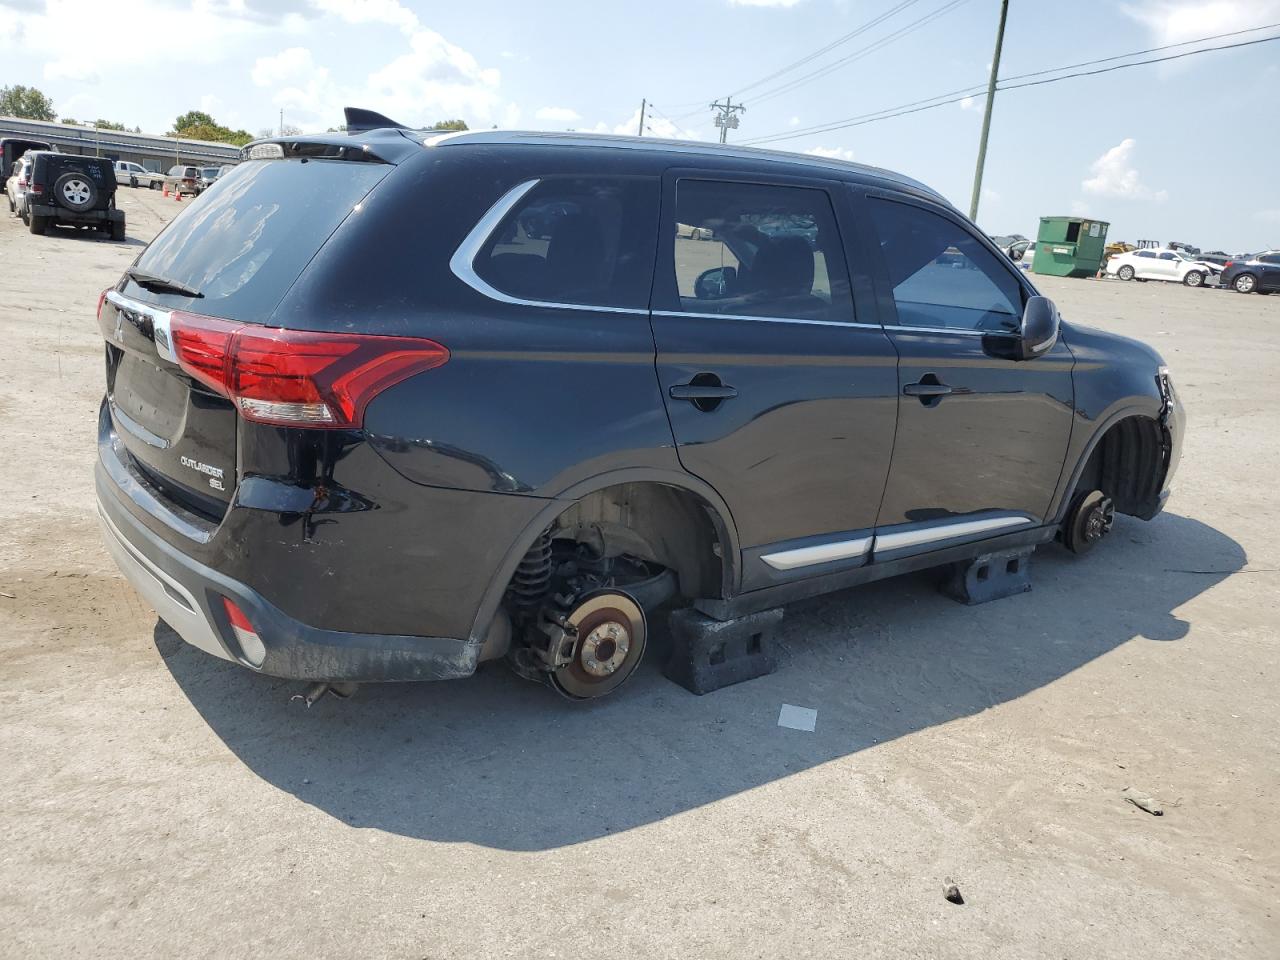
(501, 762)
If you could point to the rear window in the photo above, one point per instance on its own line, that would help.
(244, 244)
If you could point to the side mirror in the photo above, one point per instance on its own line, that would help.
(716, 283)
(1039, 330)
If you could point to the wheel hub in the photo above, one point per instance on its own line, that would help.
(605, 648)
(1098, 523)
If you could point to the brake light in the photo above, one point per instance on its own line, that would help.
(37, 189)
(102, 298)
(297, 378)
(1229, 263)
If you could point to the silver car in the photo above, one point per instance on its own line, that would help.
(16, 187)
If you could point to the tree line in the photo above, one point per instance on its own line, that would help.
(28, 103)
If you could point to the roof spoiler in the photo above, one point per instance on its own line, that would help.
(362, 121)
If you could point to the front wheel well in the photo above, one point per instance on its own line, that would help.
(1128, 465)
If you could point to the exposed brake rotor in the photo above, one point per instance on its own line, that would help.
(597, 644)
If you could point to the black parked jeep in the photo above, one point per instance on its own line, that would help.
(73, 190)
(388, 404)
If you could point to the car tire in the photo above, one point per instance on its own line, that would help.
(12, 208)
(1194, 278)
(76, 191)
(117, 230)
(1125, 272)
(38, 225)
(156, 184)
(1245, 283)
(133, 182)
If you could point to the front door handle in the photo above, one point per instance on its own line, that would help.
(694, 391)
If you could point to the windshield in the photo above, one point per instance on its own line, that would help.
(210, 171)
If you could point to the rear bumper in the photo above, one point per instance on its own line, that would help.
(63, 215)
(187, 595)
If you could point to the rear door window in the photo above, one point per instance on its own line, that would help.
(243, 245)
(942, 276)
(758, 250)
(576, 240)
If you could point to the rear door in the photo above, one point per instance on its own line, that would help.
(1269, 278)
(779, 382)
(981, 438)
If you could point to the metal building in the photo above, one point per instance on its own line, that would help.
(152, 151)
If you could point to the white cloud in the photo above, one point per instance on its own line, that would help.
(1268, 216)
(433, 80)
(1114, 175)
(969, 103)
(390, 12)
(831, 153)
(292, 64)
(990, 196)
(793, 122)
(763, 3)
(558, 114)
(71, 69)
(1175, 21)
(654, 126)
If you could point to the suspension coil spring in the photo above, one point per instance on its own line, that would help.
(533, 576)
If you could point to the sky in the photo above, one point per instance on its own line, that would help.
(1185, 150)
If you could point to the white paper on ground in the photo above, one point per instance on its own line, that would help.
(797, 718)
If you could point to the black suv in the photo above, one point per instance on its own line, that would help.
(73, 190)
(389, 404)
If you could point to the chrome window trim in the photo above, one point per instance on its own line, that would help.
(822, 553)
(960, 331)
(161, 322)
(462, 263)
(739, 316)
(949, 531)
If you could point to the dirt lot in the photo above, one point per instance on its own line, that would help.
(156, 802)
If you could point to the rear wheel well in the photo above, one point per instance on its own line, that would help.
(664, 524)
(1128, 465)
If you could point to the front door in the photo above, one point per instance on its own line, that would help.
(780, 384)
(981, 437)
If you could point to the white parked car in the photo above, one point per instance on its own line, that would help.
(136, 175)
(1172, 265)
(1022, 253)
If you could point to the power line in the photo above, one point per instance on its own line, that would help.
(857, 31)
(858, 54)
(928, 103)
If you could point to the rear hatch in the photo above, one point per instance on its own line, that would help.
(232, 254)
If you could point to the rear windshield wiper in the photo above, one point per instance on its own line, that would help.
(160, 284)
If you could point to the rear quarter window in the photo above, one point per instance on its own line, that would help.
(243, 245)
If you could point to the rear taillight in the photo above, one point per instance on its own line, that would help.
(102, 298)
(1228, 264)
(297, 378)
(37, 189)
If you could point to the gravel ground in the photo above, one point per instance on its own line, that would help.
(156, 802)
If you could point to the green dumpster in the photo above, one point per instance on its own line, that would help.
(1069, 246)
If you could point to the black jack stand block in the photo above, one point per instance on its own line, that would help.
(990, 576)
(709, 654)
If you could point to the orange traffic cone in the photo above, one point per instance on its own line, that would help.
(177, 195)
(164, 191)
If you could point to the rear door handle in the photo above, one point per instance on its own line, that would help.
(693, 391)
(926, 389)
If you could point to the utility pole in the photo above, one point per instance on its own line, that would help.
(643, 104)
(986, 116)
(282, 121)
(728, 117)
